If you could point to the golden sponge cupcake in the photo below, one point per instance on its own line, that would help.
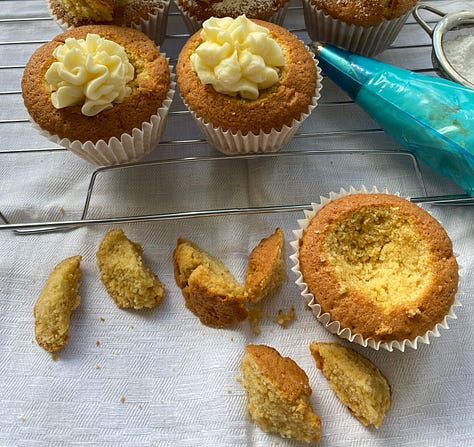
(101, 91)
(195, 12)
(367, 27)
(148, 16)
(376, 269)
(248, 83)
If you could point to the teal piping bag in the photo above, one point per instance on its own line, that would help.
(433, 118)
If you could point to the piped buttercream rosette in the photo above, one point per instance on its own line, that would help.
(130, 147)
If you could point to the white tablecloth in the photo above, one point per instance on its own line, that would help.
(158, 378)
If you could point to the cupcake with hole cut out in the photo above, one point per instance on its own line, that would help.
(376, 269)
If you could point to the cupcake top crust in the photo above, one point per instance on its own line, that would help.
(285, 83)
(147, 81)
(364, 12)
(110, 12)
(202, 9)
(380, 265)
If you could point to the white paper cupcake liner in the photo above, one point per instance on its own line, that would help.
(61, 23)
(367, 41)
(154, 26)
(236, 143)
(127, 149)
(324, 318)
(193, 25)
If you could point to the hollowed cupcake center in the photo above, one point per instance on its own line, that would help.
(379, 253)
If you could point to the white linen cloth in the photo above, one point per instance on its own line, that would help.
(159, 377)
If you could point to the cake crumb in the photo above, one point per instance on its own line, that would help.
(122, 399)
(102, 319)
(284, 319)
(54, 357)
(97, 366)
(255, 315)
(97, 343)
(413, 312)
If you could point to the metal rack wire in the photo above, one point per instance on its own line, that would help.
(175, 38)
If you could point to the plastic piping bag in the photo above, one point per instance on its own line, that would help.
(431, 117)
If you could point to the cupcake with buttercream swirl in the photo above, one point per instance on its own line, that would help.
(248, 83)
(101, 91)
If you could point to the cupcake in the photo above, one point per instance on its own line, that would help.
(248, 83)
(376, 269)
(195, 12)
(367, 27)
(101, 91)
(148, 16)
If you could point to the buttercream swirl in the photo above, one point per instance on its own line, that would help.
(93, 72)
(237, 57)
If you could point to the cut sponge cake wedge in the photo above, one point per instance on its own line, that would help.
(58, 298)
(128, 280)
(210, 291)
(266, 269)
(355, 380)
(278, 394)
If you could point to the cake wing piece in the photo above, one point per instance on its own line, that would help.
(210, 291)
(266, 268)
(58, 298)
(356, 381)
(278, 394)
(128, 280)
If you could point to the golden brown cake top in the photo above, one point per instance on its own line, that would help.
(364, 12)
(266, 268)
(283, 372)
(110, 12)
(380, 265)
(149, 88)
(254, 9)
(276, 106)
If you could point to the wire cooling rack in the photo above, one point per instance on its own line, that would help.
(321, 137)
